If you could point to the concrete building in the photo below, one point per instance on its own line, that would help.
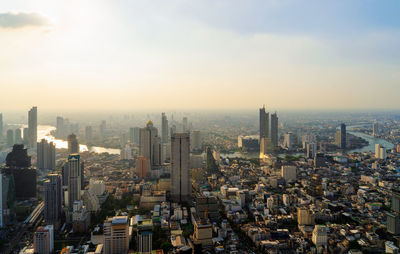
(116, 235)
(150, 146)
(196, 141)
(74, 178)
(320, 236)
(145, 236)
(164, 128)
(73, 145)
(341, 137)
(274, 129)
(289, 173)
(46, 155)
(305, 216)
(52, 199)
(89, 135)
(180, 165)
(288, 141)
(10, 137)
(32, 127)
(264, 123)
(43, 240)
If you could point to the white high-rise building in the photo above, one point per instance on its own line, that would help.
(288, 141)
(180, 165)
(380, 152)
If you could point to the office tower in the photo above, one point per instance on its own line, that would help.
(80, 217)
(32, 127)
(136, 135)
(340, 137)
(60, 127)
(274, 129)
(266, 146)
(1, 126)
(46, 155)
(18, 165)
(288, 141)
(393, 217)
(150, 146)
(52, 199)
(132, 135)
(289, 173)
(375, 129)
(196, 141)
(141, 166)
(18, 136)
(380, 152)
(74, 178)
(264, 123)
(172, 130)
(164, 128)
(25, 136)
(185, 125)
(116, 235)
(43, 240)
(10, 137)
(89, 135)
(73, 145)
(180, 165)
(319, 160)
(145, 236)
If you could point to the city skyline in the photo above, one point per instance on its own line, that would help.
(140, 55)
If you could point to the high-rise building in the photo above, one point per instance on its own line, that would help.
(73, 145)
(145, 236)
(264, 123)
(320, 236)
(141, 166)
(18, 165)
(266, 146)
(274, 129)
(196, 141)
(1, 126)
(74, 178)
(32, 127)
(375, 129)
(46, 155)
(340, 137)
(60, 127)
(185, 126)
(180, 165)
(164, 128)
(116, 235)
(89, 135)
(288, 141)
(380, 152)
(289, 173)
(43, 240)
(102, 127)
(150, 145)
(18, 136)
(10, 137)
(25, 136)
(52, 199)
(305, 216)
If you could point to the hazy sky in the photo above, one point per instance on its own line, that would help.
(187, 54)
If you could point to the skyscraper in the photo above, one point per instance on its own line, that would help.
(180, 165)
(340, 137)
(52, 199)
(1, 126)
(46, 155)
(264, 123)
(149, 145)
(185, 124)
(74, 178)
(73, 145)
(164, 128)
(89, 135)
(274, 129)
(32, 127)
(26, 136)
(196, 141)
(60, 127)
(18, 136)
(10, 137)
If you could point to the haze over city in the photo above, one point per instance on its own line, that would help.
(115, 55)
(199, 127)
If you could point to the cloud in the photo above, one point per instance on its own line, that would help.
(22, 19)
